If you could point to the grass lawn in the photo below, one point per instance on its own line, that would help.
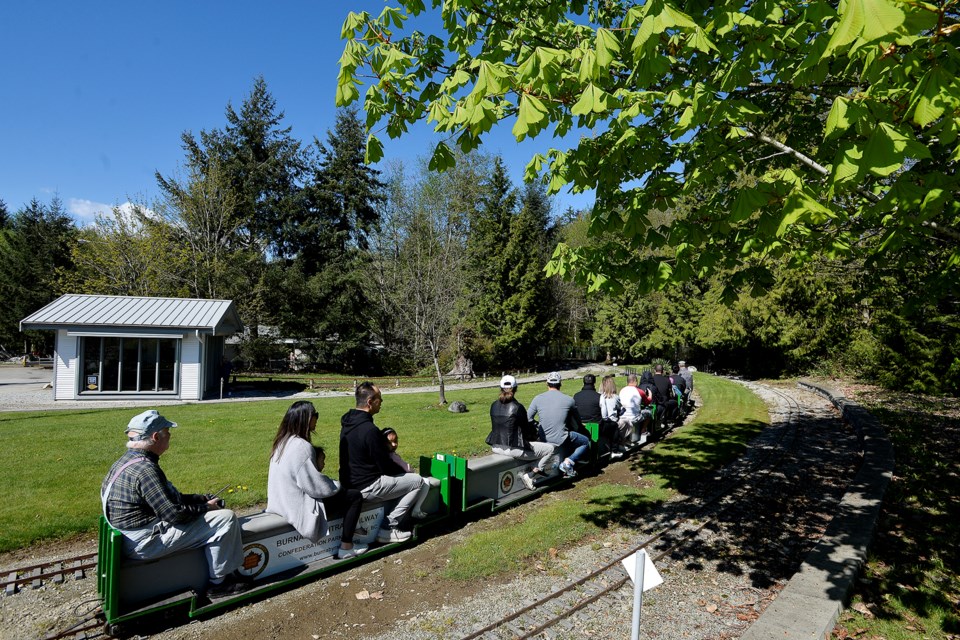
(729, 418)
(52, 463)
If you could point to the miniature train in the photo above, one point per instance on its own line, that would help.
(276, 557)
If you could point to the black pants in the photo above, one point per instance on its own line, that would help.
(349, 502)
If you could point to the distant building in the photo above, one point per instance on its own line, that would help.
(124, 347)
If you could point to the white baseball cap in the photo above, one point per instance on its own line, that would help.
(508, 382)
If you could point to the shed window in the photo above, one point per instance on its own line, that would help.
(129, 365)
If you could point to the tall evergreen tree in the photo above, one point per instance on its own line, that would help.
(344, 196)
(34, 247)
(4, 214)
(529, 314)
(486, 274)
(256, 165)
(326, 241)
(262, 162)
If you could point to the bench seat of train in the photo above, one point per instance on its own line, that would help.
(495, 479)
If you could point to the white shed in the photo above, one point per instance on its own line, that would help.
(124, 347)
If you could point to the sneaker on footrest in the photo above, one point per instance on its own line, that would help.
(387, 536)
(527, 481)
(352, 552)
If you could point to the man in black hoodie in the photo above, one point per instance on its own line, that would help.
(365, 463)
(588, 400)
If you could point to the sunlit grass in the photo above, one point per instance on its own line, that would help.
(52, 463)
(729, 418)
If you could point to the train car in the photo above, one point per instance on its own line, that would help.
(276, 556)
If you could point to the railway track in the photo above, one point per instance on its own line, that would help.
(55, 571)
(674, 538)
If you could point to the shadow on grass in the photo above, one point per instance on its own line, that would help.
(915, 555)
(679, 462)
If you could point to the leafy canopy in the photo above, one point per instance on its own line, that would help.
(783, 129)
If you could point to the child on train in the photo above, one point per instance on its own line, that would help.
(393, 442)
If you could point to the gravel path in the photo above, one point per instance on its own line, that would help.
(713, 588)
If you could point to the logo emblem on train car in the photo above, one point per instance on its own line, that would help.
(255, 558)
(506, 482)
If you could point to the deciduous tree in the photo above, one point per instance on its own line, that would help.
(799, 129)
(126, 254)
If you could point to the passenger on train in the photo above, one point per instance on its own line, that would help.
(648, 397)
(560, 424)
(588, 403)
(588, 400)
(393, 442)
(610, 411)
(157, 520)
(630, 400)
(679, 390)
(687, 375)
(365, 463)
(298, 491)
(665, 397)
(512, 434)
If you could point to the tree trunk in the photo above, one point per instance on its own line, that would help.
(436, 365)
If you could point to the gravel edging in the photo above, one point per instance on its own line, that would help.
(809, 605)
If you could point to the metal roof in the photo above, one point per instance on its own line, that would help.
(218, 317)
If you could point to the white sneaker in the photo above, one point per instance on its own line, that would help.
(356, 550)
(387, 536)
(527, 481)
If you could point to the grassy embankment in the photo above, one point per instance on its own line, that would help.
(911, 585)
(52, 463)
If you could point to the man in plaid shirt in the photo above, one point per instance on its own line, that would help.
(156, 519)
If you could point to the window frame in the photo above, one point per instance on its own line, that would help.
(123, 367)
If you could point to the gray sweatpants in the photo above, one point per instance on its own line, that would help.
(218, 532)
(542, 450)
(387, 487)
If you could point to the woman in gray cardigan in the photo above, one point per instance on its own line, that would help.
(299, 492)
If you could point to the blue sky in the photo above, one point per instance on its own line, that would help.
(94, 96)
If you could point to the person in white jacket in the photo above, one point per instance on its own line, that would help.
(299, 492)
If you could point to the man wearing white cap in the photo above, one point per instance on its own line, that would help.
(560, 423)
(156, 519)
(512, 434)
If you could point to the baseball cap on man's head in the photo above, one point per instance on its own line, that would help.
(143, 425)
(553, 378)
(508, 382)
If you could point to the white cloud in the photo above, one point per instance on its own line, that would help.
(85, 211)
